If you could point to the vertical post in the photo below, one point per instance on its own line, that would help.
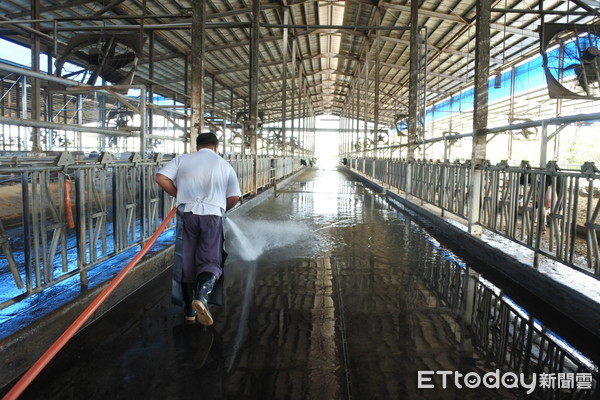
(300, 105)
(480, 112)
(49, 110)
(186, 89)
(24, 112)
(346, 136)
(341, 133)
(347, 132)
(422, 113)
(102, 119)
(294, 92)
(413, 93)
(284, 61)
(213, 90)
(198, 49)
(143, 123)
(313, 124)
(304, 134)
(244, 108)
(357, 115)
(78, 144)
(446, 148)
(511, 107)
(350, 124)
(366, 100)
(36, 143)
(300, 111)
(376, 89)
(224, 138)
(544, 146)
(253, 123)
(150, 112)
(232, 113)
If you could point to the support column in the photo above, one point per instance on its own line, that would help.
(22, 101)
(357, 116)
(300, 94)
(232, 113)
(480, 112)
(78, 141)
(144, 123)
(197, 78)
(544, 146)
(284, 61)
(49, 111)
(36, 142)
(294, 91)
(350, 123)
(252, 126)
(413, 93)
(150, 118)
(376, 89)
(366, 129)
(186, 90)
(213, 93)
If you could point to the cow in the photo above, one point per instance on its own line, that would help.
(551, 195)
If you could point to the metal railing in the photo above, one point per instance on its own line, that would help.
(505, 335)
(116, 206)
(554, 212)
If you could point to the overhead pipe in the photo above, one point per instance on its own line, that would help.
(168, 26)
(227, 25)
(39, 75)
(55, 125)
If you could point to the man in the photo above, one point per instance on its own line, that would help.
(205, 186)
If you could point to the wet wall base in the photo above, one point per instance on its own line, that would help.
(570, 314)
(21, 349)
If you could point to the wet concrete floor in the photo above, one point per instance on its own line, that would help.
(332, 308)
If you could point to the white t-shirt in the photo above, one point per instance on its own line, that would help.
(204, 180)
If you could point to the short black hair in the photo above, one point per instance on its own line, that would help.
(207, 138)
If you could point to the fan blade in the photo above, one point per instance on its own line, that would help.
(121, 60)
(111, 74)
(75, 73)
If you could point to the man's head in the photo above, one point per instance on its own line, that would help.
(207, 139)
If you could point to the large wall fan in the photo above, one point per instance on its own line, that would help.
(112, 57)
(571, 54)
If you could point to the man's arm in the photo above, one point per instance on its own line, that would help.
(166, 183)
(232, 201)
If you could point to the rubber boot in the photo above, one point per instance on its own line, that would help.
(188, 297)
(204, 286)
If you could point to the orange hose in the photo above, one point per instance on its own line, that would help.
(68, 205)
(34, 371)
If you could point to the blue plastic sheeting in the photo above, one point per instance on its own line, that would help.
(528, 76)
